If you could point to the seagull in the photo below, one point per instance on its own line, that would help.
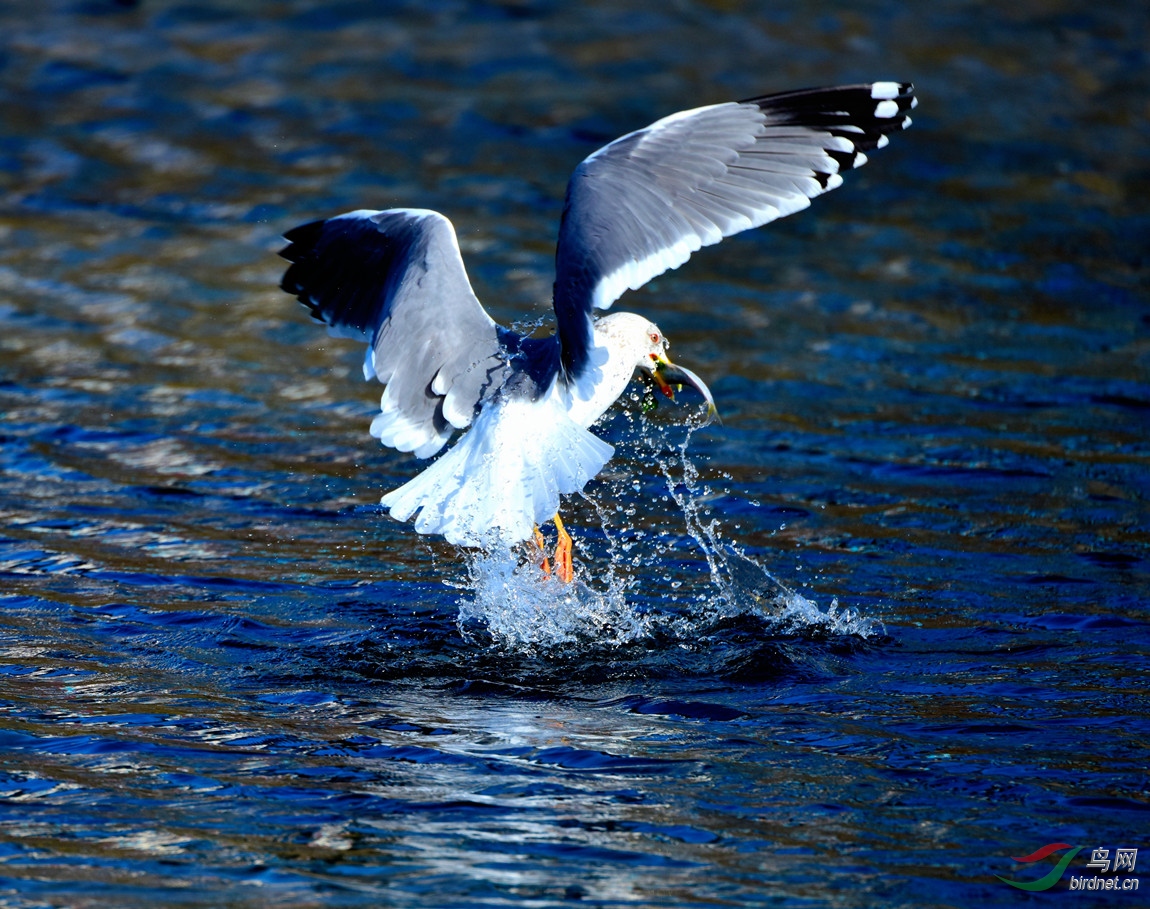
(636, 208)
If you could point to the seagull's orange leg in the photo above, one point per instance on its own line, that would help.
(563, 563)
(542, 544)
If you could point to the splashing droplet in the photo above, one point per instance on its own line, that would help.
(511, 603)
(517, 605)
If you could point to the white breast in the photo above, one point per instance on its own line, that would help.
(618, 347)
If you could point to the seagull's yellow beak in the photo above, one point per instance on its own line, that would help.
(671, 378)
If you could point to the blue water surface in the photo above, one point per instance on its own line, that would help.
(875, 636)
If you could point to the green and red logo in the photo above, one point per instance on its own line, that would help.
(1105, 870)
(1053, 876)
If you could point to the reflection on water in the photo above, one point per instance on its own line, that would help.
(877, 633)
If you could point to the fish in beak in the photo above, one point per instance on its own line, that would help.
(671, 378)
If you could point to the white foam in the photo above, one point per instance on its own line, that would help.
(795, 613)
(520, 606)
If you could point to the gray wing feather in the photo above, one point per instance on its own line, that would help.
(396, 279)
(644, 203)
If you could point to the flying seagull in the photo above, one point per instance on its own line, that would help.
(634, 209)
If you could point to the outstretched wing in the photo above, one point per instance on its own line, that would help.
(644, 203)
(396, 279)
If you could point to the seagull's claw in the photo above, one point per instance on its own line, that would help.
(564, 566)
(542, 544)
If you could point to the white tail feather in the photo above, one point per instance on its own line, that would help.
(504, 476)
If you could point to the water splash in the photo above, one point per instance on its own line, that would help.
(518, 605)
(508, 598)
(742, 585)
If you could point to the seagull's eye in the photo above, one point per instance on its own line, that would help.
(654, 338)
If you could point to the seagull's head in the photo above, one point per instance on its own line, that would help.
(634, 336)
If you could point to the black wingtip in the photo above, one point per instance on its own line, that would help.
(855, 95)
(864, 114)
(302, 240)
(301, 275)
(342, 267)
